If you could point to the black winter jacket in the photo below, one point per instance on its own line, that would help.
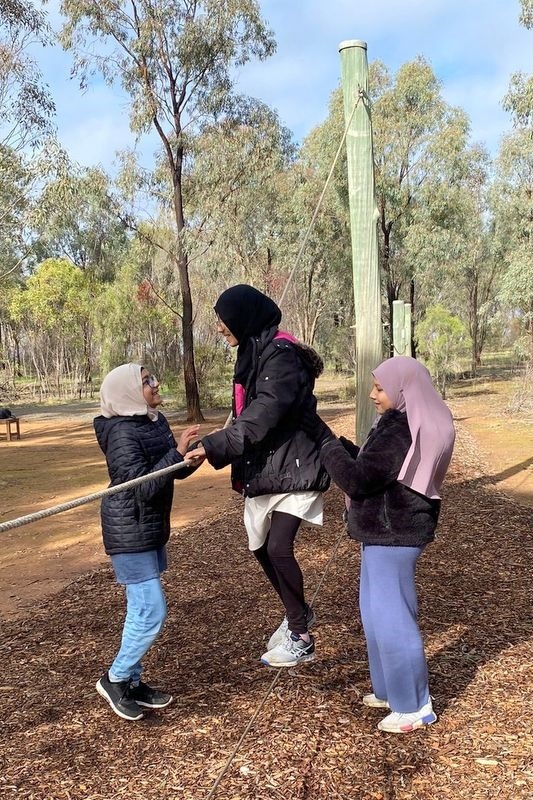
(265, 444)
(138, 519)
(382, 511)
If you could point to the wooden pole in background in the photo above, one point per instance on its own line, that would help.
(363, 223)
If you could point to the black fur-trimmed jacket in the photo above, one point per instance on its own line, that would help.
(382, 510)
(266, 446)
(138, 519)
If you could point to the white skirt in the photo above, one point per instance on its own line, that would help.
(307, 506)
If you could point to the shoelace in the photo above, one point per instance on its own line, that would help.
(126, 694)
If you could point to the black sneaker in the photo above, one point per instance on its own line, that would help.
(145, 696)
(118, 695)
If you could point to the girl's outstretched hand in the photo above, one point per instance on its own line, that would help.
(198, 454)
(188, 436)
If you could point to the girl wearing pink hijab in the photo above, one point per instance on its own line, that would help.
(393, 482)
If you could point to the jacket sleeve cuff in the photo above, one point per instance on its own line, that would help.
(215, 449)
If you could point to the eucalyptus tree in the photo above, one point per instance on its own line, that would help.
(513, 212)
(26, 111)
(419, 141)
(319, 298)
(25, 103)
(519, 99)
(442, 341)
(419, 153)
(236, 192)
(449, 248)
(131, 324)
(76, 216)
(53, 310)
(175, 62)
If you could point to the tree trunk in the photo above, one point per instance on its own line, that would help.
(391, 286)
(412, 301)
(194, 412)
(474, 327)
(192, 396)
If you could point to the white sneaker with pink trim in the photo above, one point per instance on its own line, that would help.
(404, 723)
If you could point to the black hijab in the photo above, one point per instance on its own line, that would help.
(246, 312)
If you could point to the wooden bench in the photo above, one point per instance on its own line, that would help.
(9, 422)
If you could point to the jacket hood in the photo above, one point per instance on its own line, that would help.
(310, 358)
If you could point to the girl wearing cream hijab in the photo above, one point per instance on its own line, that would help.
(136, 440)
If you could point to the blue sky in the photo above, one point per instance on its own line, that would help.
(473, 46)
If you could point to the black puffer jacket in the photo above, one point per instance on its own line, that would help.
(137, 520)
(265, 444)
(382, 511)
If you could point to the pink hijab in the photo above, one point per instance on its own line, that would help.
(408, 385)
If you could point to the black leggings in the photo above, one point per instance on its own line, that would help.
(276, 557)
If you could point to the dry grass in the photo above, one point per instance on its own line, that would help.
(313, 740)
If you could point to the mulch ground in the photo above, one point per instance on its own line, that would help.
(312, 739)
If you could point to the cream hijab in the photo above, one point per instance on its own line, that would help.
(121, 393)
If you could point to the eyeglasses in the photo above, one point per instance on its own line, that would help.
(150, 381)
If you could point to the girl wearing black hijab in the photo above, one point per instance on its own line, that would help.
(275, 465)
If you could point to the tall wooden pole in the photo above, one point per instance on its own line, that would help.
(363, 222)
(407, 328)
(398, 327)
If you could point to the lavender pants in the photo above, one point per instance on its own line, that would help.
(387, 599)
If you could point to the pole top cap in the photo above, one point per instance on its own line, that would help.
(352, 43)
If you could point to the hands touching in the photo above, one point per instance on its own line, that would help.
(186, 438)
(198, 454)
(194, 450)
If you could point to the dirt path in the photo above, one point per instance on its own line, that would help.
(312, 739)
(57, 459)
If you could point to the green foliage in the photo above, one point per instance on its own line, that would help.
(174, 60)
(25, 104)
(526, 13)
(519, 99)
(54, 297)
(76, 217)
(513, 212)
(442, 340)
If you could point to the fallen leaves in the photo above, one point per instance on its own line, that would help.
(312, 740)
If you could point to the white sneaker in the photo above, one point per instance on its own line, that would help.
(404, 723)
(292, 650)
(281, 632)
(372, 701)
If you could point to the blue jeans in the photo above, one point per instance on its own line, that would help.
(145, 615)
(388, 603)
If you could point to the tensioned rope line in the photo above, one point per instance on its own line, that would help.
(315, 214)
(89, 498)
(320, 199)
(276, 678)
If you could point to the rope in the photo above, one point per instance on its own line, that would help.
(89, 498)
(324, 190)
(276, 678)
